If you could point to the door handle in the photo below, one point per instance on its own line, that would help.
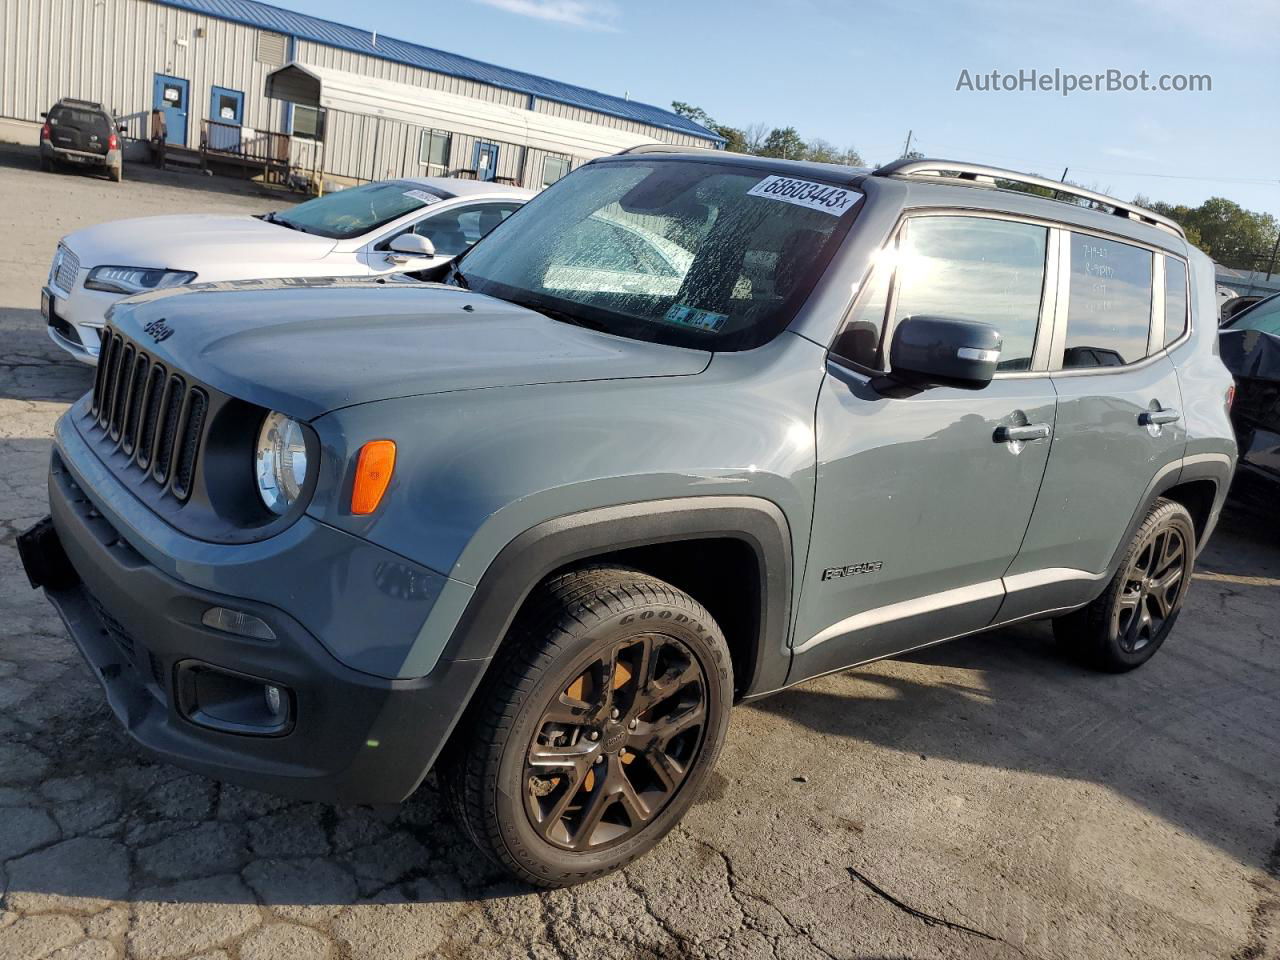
(1032, 431)
(1154, 418)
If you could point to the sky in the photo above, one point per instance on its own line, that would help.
(865, 73)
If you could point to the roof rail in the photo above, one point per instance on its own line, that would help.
(94, 104)
(972, 171)
(666, 148)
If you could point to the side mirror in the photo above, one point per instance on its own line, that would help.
(941, 351)
(43, 115)
(413, 244)
(122, 128)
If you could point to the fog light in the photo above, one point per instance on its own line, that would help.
(236, 621)
(275, 702)
(233, 702)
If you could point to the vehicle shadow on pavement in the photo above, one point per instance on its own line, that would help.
(32, 367)
(23, 157)
(1190, 736)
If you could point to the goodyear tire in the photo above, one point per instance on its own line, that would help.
(597, 728)
(1123, 628)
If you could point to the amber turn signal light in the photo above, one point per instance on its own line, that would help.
(373, 473)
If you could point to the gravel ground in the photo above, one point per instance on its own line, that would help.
(985, 799)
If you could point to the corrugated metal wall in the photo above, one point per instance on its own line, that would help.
(111, 50)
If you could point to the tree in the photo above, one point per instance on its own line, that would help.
(822, 151)
(735, 141)
(783, 142)
(1232, 235)
(754, 137)
(764, 141)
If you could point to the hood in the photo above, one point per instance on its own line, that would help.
(308, 347)
(209, 245)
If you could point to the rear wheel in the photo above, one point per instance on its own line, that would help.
(595, 739)
(116, 172)
(1124, 627)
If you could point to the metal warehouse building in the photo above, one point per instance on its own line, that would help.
(351, 104)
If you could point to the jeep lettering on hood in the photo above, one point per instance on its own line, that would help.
(308, 347)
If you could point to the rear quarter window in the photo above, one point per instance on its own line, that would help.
(1175, 299)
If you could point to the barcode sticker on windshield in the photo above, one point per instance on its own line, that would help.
(423, 196)
(684, 315)
(806, 193)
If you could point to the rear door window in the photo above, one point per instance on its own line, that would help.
(1109, 305)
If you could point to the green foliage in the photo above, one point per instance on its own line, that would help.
(1232, 235)
(762, 141)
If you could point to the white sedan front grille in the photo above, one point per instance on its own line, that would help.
(66, 265)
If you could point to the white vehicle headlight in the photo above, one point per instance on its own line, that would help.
(280, 462)
(135, 279)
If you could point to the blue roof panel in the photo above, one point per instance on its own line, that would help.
(306, 27)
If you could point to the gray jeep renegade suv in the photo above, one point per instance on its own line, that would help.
(687, 429)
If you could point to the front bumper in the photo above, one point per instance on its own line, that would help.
(83, 311)
(355, 737)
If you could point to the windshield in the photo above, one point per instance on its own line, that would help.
(350, 213)
(1263, 315)
(691, 253)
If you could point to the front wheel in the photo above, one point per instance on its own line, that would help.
(1124, 627)
(593, 741)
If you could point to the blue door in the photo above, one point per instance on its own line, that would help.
(486, 160)
(226, 111)
(171, 96)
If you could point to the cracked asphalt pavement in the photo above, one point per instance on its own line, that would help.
(984, 799)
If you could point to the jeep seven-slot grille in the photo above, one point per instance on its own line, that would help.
(149, 413)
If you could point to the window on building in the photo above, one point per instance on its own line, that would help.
(553, 168)
(308, 122)
(434, 149)
(1109, 306)
(1175, 299)
(972, 268)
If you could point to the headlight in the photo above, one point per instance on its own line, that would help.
(280, 462)
(135, 279)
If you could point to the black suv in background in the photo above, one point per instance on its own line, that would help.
(80, 132)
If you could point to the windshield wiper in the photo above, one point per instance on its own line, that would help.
(563, 316)
(279, 221)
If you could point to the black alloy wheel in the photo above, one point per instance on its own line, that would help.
(616, 744)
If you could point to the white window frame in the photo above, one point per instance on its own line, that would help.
(426, 139)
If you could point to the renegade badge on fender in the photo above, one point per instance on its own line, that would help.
(691, 428)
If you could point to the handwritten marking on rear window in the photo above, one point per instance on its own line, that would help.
(806, 193)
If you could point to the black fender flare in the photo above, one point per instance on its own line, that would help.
(1215, 467)
(528, 559)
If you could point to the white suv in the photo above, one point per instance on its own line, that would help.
(393, 226)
